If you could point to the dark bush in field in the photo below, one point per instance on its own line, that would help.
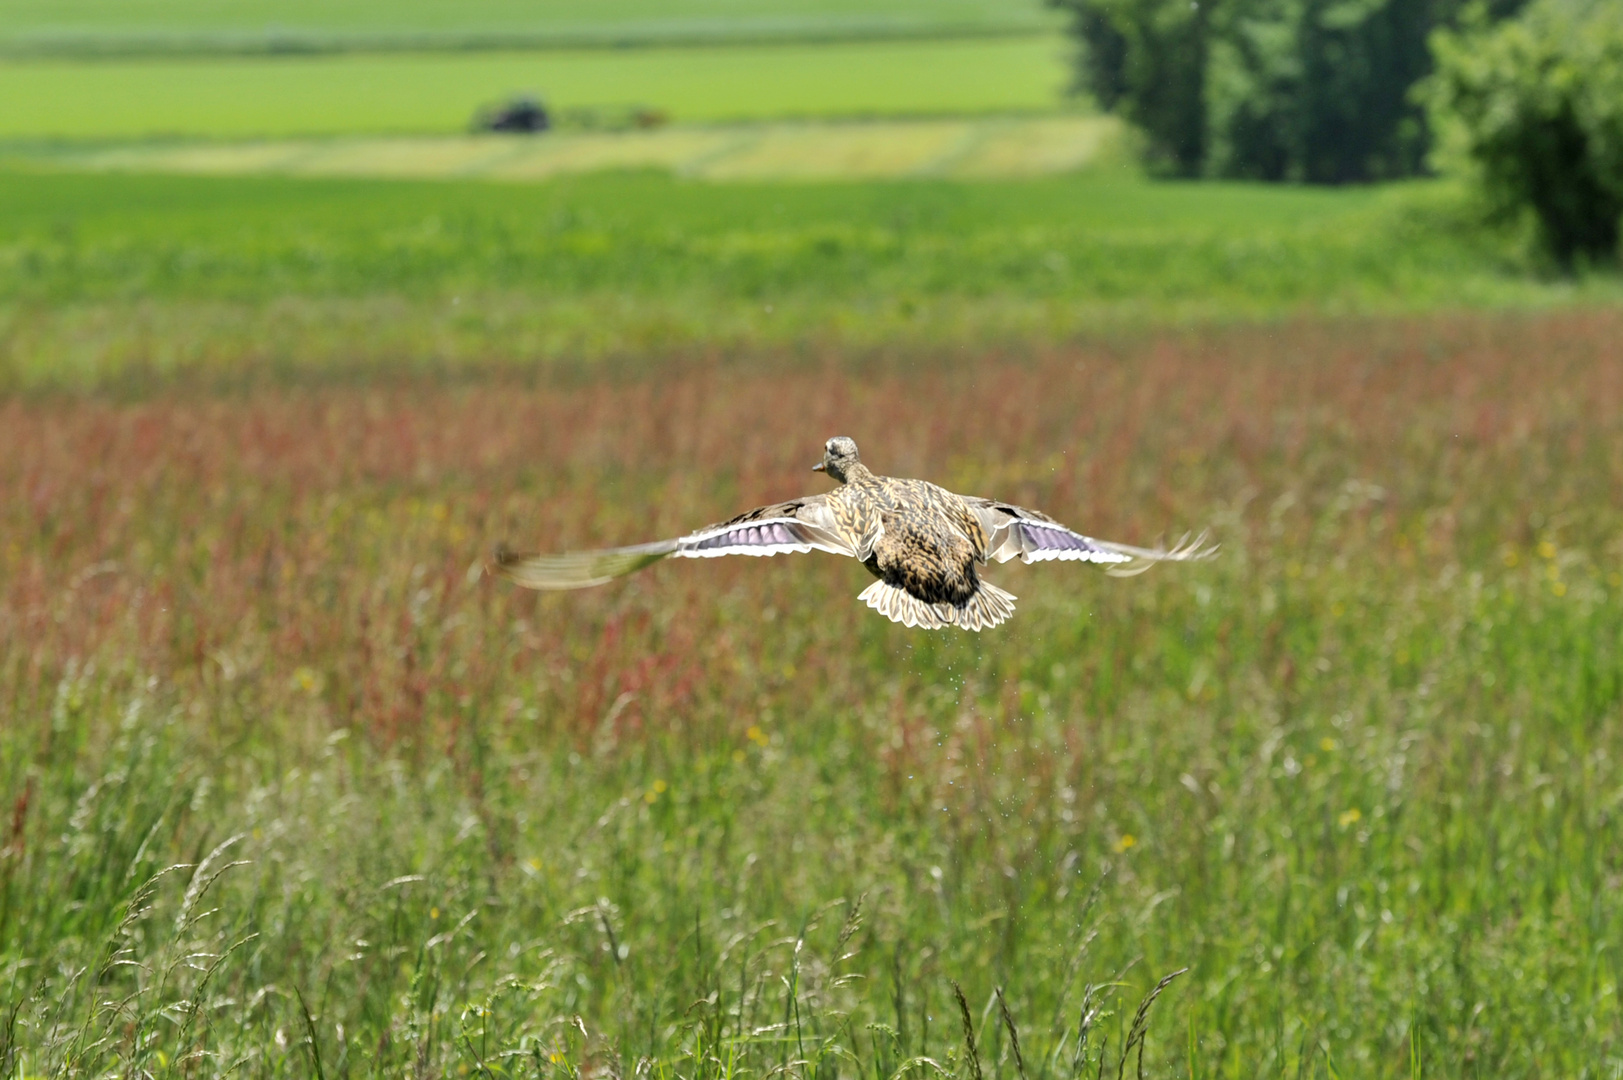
(524, 115)
(1536, 106)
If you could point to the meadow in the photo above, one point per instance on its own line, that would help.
(293, 790)
(438, 92)
(106, 277)
(107, 27)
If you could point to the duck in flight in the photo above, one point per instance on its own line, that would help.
(923, 543)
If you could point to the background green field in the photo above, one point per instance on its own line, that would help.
(114, 25)
(439, 92)
(106, 276)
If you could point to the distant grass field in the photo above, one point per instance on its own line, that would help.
(439, 92)
(102, 275)
(985, 148)
(290, 791)
(114, 25)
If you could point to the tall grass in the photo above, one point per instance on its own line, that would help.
(1359, 775)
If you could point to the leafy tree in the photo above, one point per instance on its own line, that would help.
(1147, 59)
(1317, 90)
(1534, 107)
(1306, 90)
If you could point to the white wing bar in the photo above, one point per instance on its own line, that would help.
(1041, 541)
(1014, 533)
(769, 536)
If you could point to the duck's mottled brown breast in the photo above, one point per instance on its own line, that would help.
(914, 535)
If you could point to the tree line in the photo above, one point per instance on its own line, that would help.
(1525, 94)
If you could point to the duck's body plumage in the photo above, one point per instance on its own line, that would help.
(923, 543)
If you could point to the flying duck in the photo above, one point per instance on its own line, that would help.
(922, 542)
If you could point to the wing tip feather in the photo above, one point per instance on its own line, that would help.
(1189, 548)
(573, 570)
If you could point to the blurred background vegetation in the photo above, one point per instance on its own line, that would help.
(1526, 96)
(1533, 108)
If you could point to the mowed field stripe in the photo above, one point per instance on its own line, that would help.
(1000, 147)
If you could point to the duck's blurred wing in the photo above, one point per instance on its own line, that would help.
(1014, 532)
(793, 527)
(576, 569)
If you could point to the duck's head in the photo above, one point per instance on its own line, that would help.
(839, 455)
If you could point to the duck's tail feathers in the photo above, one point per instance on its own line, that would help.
(987, 608)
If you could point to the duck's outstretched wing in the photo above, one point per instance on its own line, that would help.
(1014, 532)
(792, 527)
